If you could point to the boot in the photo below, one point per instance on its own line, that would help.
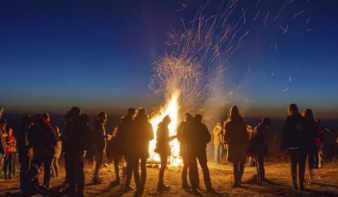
(161, 186)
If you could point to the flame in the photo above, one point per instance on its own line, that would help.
(171, 108)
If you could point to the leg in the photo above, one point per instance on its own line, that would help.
(11, 157)
(294, 158)
(143, 172)
(260, 167)
(46, 165)
(220, 153)
(116, 167)
(53, 168)
(302, 163)
(56, 167)
(202, 159)
(164, 160)
(80, 177)
(259, 178)
(6, 162)
(240, 171)
(193, 171)
(235, 169)
(216, 153)
(98, 158)
(71, 175)
(185, 171)
(136, 174)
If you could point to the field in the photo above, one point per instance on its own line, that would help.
(278, 175)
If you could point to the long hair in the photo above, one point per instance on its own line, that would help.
(308, 115)
(293, 108)
(234, 114)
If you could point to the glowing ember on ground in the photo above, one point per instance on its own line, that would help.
(171, 108)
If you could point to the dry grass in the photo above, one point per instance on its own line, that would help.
(325, 182)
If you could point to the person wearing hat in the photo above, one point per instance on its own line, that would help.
(259, 146)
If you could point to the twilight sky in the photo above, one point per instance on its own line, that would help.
(98, 55)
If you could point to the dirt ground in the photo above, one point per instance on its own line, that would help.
(278, 175)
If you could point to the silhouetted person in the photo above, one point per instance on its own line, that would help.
(320, 144)
(3, 136)
(294, 138)
(10, 154)
(30, 183)
(116, 158)
(22, 141)
(139, 138)
(75, 111)
(218, 143)
(43, 139)
(57, 154)
(312, 133)
(122, 144)
(79, 139)
(100, 143)
(163, 149)
(259, 146)
(183, 153)
(197, 136)
(236, 137)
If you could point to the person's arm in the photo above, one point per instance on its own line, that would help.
(171, 138)
(285, 135)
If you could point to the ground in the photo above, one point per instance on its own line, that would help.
(278, 175)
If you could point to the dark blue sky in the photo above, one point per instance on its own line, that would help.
(98, 55)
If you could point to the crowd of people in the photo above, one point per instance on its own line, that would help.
(41, 143)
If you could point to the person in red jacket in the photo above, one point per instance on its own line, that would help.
(10, 153)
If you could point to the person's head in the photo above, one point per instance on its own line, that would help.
(33, 171)
(39, 121)
(3, 124)
(102, 116)
(234, 113)
(307, 113)
(45, 117)
(1, 111)
(26, 119)
(166, 120)
(292, 109)
(219, 125)
(9, 131)
(131, 112)
(198, 118)
(188, 117)
(266, 122)
(75, 111)
(141, 111)
(84, 118)
(249, 128)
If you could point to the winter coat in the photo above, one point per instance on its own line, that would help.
(122, 134)
(294, 132)
(22, 140)
(10, 144)
(259, 140)
(58, 147)
(196, 136)
(312, 133)
(237, 139)
(163, 140)
(140, 136)
(2, 142)
(79, 138)
(179, 138)
(218, 135)
(100, 140)
(42, 139)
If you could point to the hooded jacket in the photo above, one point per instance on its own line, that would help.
(295, 133)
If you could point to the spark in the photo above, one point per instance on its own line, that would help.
(308, 29)
(286, 90)
(298, 14)
(257, 2)
(279, 12)
(167, 43)
(284, 29)
(308, 20)
(184, 6)
(266, 17)
(244, 14)
(272, 74)
(291, 1)
(275, 45)
(248, 100)
(257, 14)
(290, 78)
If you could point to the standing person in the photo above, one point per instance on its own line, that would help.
(320, 144)
(294, 139)
(312, 133)
(259, 146)
(140, 137)
(236, 137)
(196, 136)
(183, 153)
(218, 143)
(116, 158)
(163, 149)
(100, 143)
(10, 153)
(57, 154)
(23, 149)
(250, 157)
(122, 141)
(42, 139)
(79, 139)
(3, 136)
